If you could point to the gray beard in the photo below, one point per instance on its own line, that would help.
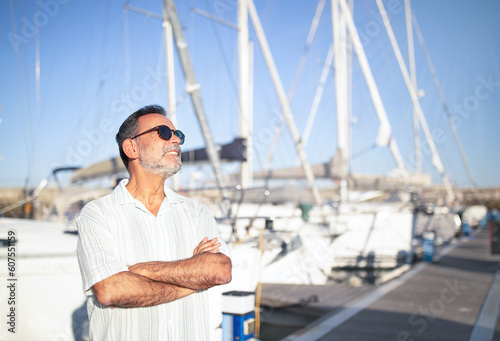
(157, 164)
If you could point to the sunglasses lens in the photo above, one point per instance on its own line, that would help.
(166, 133)
(180, 135)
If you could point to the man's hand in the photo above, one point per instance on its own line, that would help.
(206, 245)
(205, 269)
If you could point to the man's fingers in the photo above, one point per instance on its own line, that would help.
(210, 247)
(203, 241)
(207, 245)
(207, 241)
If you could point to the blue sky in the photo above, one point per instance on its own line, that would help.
(90, 81)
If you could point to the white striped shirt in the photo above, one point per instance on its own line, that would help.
(117, 231)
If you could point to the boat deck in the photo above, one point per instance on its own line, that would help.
(455, 298)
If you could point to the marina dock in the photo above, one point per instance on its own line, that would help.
(456, 297)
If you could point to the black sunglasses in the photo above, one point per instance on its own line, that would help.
(164, 132)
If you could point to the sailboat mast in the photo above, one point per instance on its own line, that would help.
(445, 105)
(246, 115)
(413, 77)
(169, 59)
(436, 160)
(285, 105)
(193, 88)
(341, 89)
(384, 137)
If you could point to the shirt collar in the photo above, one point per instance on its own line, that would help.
(122, 195)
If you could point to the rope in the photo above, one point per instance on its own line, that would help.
(36, 142)
(223, 53)
(310, 37)
(444, 103)
(364, 151)
(21, 93)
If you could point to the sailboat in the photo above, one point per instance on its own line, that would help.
(278, 235)
(357, 233)
(362, 233)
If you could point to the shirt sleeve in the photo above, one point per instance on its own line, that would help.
(95, 247)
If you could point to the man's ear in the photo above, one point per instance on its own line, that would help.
(130, 149)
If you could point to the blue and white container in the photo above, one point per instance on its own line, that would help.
(238, 316)
(429, 245)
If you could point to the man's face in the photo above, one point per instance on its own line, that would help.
(156, 155)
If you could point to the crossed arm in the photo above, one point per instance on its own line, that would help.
(153, 283)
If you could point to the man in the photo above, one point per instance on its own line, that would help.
(146, 254)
